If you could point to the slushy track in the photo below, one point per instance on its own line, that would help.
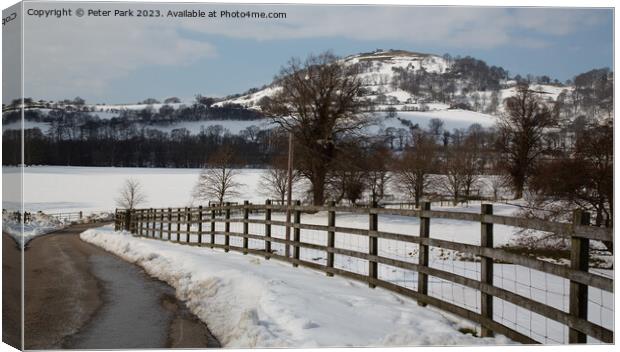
(80, 296)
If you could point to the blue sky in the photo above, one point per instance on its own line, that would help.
(115, 60)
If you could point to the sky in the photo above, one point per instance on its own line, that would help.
(128, 59)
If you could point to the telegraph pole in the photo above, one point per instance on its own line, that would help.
(289, 192)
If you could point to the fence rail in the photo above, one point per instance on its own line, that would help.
(211, 227)
(27, 217)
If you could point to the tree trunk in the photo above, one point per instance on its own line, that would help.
(519, 185)
(318, 192)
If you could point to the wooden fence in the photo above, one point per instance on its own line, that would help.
(179, 224)
(72, 216)
(26, 217)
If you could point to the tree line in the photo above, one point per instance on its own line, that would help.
(531, 149)
(523, 151)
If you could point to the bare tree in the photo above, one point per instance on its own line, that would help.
(472, 163)
(274, 181)
(415, 165)
(453, 178)
(319, 104)
(583, 179)
(521, 130)
(378, 175)
(347, 177)
(217, 179)
(131, 194)
(461, 169)
(435, 128)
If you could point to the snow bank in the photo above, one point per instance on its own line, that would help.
(250, 302)
(39, 224)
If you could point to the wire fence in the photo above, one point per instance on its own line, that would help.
(525, 298)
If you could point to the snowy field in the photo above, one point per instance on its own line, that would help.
(54, 189)
(62, 189)
(17, 125)
(452, 119)
(250, 302)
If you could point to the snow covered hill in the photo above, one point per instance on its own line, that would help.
(414, 86)
(379, 70)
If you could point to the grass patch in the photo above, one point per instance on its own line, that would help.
(468, 331)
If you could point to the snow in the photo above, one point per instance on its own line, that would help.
(377, 77)
(545, 288)
(384, 61)
(251, 100)
(249, 302)
(119, 107)
(39, 224)
(55, 189)
(452, 119)
(61, 189)
(233, 126)
(17, 125)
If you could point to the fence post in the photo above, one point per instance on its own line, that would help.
(145, 222)
(579, 257)
(161, 224)
(486, 268)
(188, 226)
(127, 220)
(246, 227)
(154, 222)
(169, 223)
(296, 234)
(227, 228)
(200, 224)
(141, 223)
(425, 227)
(116, 219)
(373, 244)
(178, 224)
(149, 226)
(134, 222)
(212, 239)
(331, 237)
(267, 228)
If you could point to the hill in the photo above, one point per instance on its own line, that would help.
(410, 81)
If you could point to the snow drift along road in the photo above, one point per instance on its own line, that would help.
(250, 302)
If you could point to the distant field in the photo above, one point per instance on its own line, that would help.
(452, 119)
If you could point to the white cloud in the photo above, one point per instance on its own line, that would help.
(560, 21)
(451, 26)
(88, 56)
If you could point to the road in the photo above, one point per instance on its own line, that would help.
(11, 292)
(80, 296)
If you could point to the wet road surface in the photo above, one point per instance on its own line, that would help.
(81, 297)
